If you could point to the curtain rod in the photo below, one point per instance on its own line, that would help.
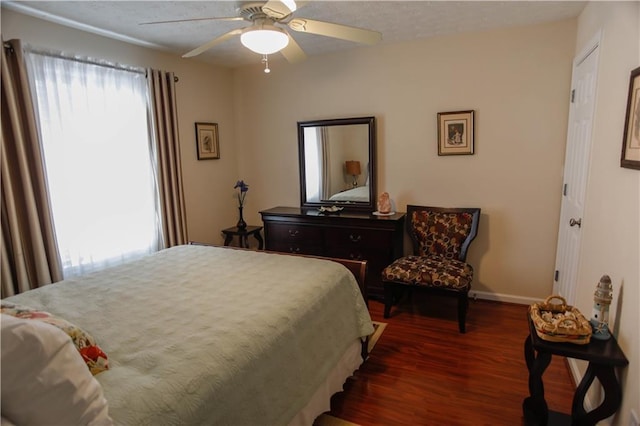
(91, 61)
(86, 60)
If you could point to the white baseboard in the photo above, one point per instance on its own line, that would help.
(507, 298)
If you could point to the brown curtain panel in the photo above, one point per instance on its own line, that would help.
(29, 257)
(169, 170)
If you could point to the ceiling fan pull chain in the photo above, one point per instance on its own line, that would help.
(265, 61)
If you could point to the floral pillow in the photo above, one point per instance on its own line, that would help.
(90, 352)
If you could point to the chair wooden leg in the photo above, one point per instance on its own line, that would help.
(463, 305)
(388, 300)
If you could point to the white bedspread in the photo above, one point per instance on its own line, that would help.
(212, 336)
(360, 193)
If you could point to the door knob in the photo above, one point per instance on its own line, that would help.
(573, 222)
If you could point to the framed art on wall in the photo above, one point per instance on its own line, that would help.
(207, 144)
(631, 138)
(455, 133)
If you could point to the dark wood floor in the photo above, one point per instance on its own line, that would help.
(423, 372)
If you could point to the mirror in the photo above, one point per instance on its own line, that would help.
(337, 163)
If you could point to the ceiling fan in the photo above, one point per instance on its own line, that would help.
(266, 35)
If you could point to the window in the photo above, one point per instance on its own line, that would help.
(95, 135)
(312, 163)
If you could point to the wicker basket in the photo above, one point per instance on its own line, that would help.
(558, 322)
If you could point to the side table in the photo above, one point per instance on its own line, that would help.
(603, 357)
(243, 235)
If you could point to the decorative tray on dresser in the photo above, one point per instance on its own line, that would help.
(346, 235)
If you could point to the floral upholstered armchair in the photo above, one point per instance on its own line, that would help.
(440, 238)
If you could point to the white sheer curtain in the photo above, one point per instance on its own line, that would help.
(94, 131)
(312, 163)
(318, 177)
(325, 182)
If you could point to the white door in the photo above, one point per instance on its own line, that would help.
(576, 168)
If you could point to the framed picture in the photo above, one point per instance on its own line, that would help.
(455, 133)
(207, 143)
(631, 139)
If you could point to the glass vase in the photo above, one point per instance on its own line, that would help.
(241, 225)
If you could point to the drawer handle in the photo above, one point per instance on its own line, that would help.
(355, 238)
(294, 249)
(355, 256)
(293, 232)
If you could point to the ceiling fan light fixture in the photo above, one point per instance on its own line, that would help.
(264, 39)
(291, 5)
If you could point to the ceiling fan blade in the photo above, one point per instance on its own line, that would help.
(293, 52)
(209, 45)
(228, 18)
(328, 29)
(279, 9)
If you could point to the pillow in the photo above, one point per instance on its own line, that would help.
(43, 380)
(93, 356)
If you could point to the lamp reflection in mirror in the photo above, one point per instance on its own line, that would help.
(264, 39)
(353, 169)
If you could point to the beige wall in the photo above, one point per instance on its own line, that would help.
(516, 80)
(204, 94)
(611, 225)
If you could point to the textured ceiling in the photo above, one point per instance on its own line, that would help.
(396, 20)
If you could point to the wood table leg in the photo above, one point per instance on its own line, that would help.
(612, 395)
(534, 407)
(259, 238)
(227, 239)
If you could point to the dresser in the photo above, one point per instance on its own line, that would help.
(359, 236)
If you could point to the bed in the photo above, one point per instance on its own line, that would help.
(210, 335)
(359, 193)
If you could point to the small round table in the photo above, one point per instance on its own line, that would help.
(243, 235)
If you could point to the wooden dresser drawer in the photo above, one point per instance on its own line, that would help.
(296, 247)
(359, 238)
(294, 233)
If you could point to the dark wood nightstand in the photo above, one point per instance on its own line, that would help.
(603, 357)
(243, 235)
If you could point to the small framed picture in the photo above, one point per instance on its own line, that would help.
(631, 139)
(455, 133)
(207, 143)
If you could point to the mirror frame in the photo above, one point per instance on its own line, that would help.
(348, 205)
